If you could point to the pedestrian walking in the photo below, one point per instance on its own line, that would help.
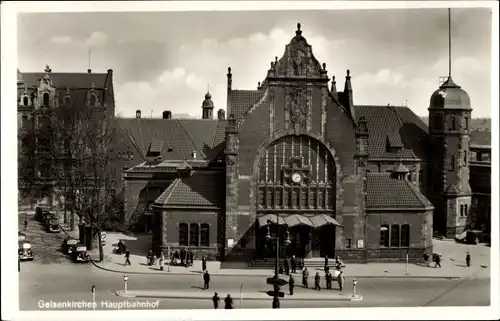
(203, 264)
(183, 257)
(206, 280)
(317, 279)
(161, 261)
(328, 278)
(287, 266)
(326, 262)
(437, 260)
(305, 278)
(341, 280)
(127, 257)
(293, 263)
(228, 302)
(25, 221)
(276, 302)
(291, 284)
(426, 260)
(190, 257)
(467, 259)
(216, 300)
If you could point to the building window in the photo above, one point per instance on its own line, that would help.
(394, 235)
(279, 198)
(26, 101)
(193, 234)
(466, 123)
(461, 210)
(465, 157)
(92, 100)
(453, 123)
(348, 243)
(452, 163)
(183, 232)
(205, 235)
(46, 99)
(405, 235)
(466, 210)
(305, 199)
(270, 198)
(384, 235)
(262, 199)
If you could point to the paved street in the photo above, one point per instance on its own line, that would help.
(38, 282)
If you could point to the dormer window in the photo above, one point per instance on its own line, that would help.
(93, 100)
(46, 99)
(26, 101)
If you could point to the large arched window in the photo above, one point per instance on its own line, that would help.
(194, 234)
(296, 172)
(384, 235)
(205, 235)
(46, 99)
(395, 235)
(183, 234)
(405, 235)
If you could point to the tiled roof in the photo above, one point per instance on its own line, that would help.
(400, 169)
(200, 190)
(179, 138)
(242, 100)
(67, 79)
(393, 126)
(383, 191)
(480, 138)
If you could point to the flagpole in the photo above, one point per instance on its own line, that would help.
(449, 42)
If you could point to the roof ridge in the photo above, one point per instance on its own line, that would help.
(191, 138)
(393, 108)
(421, 197)
(170, 189)
(131, 137)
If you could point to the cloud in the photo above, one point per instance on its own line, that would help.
(61, 39)
(96, 38)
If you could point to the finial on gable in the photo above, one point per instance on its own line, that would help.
(298, 32)
(93, 85)
(47, 69)
(348, 73)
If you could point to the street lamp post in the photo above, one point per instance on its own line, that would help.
(125, 279)
(277, 238)
(93, 297)
(354, 283)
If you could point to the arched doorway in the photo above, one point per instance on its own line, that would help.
(296, 193)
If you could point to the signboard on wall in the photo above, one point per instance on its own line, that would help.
(230, 242)
(361, 244)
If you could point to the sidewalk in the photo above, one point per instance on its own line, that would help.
(207, 295)
(453, 264)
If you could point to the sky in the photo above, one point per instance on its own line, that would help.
(168, 60)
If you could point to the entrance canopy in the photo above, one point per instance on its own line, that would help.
(297, 219)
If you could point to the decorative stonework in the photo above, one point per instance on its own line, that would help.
(297, 104)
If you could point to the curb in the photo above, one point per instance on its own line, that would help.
(204, 297)
(268, 275)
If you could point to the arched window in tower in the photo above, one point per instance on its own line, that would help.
(296, 172)
(394, 235)
(46, 99)
(26, 101)
(438, 121)
(453, 122)
(93, 100)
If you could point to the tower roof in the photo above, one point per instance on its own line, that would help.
(208, 103)
(450, 96)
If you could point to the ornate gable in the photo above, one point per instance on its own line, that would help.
(298, 60)
(46, 92)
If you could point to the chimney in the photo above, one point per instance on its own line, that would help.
(89, 71)
(194, 155)
(167, 114)
(221, 114)
(138, 113)
(229, 90)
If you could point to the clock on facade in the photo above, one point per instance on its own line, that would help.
(296, 178)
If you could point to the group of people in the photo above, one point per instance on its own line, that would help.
(184, 257)
(436, 258)
(228, 301)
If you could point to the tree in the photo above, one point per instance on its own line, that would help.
(85, 162)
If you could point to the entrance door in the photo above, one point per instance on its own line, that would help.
(323, 242)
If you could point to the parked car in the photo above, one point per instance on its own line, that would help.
(48, 217)
(25, 252)
(53, 226)
(80, 254)
(69, 245)
(41, 211)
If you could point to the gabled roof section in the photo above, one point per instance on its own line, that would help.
(202, 190)
(392, 126)
(242, 100)
(385, 192)
(176, 139)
